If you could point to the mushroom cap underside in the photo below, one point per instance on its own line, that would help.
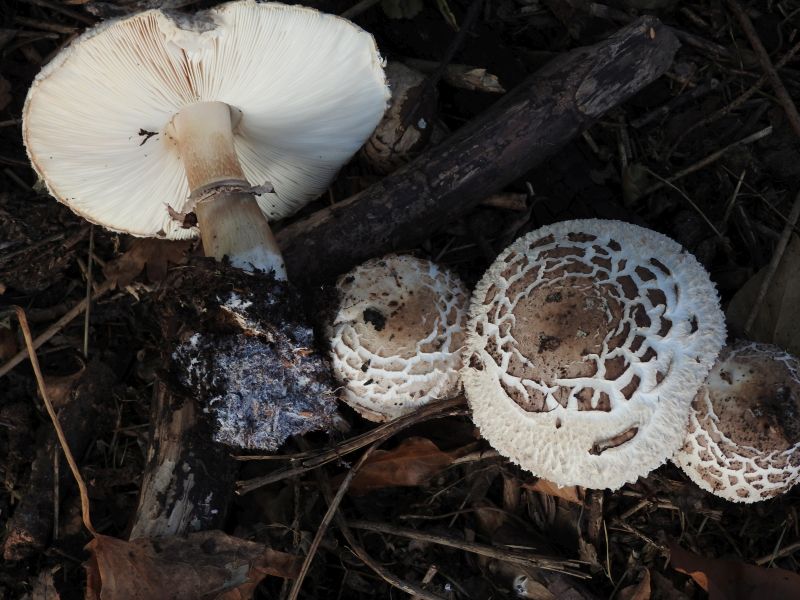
(309, 86)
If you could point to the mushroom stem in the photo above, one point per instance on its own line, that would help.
(231, 223)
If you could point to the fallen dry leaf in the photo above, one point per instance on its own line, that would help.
(208, 564)
(569, 493)
(412, 463)
(489, 518)
(565, 587)
(776, 321)
(734, 579)
(60, 387)
(664, 589)
(148, 255)
(271, 562)
(44, 588)
(637, 591)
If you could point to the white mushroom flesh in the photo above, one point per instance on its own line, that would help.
(587, 341)
(743, 442)
(397, 337)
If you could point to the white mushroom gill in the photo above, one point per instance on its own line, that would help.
(586, 343)
(309, 86)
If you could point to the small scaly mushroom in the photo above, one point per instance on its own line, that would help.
(397, 336)
(743, 441)
(586, 343)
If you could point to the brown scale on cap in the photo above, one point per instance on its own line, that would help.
(743, 439)
(770, 420)
(558, 326)
(566, 327)
(397, 328)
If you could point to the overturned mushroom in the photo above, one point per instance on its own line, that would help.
(743, 442)
(587, 341)
(143, 124)
(143, 120)
(397, 337)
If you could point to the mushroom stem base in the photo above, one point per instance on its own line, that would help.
(232, 225)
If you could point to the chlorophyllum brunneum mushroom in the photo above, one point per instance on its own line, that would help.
(236, 114)
(397, 335)
(743, 439)
(586, 343)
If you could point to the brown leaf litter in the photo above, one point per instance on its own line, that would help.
(208, 564)
(726, 579)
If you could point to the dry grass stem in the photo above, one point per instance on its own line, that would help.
(704, 162)
(786, 235)
(333, 506)
(784, 98)
(536, 561)
(56, 327)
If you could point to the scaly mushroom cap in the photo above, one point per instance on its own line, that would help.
(397, 337)
(308, 88)
(587, 341)
(743, 442)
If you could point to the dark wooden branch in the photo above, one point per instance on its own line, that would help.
(188, 479)
(527, 126)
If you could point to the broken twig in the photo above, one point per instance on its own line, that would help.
(313, 460)
(333, 506)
